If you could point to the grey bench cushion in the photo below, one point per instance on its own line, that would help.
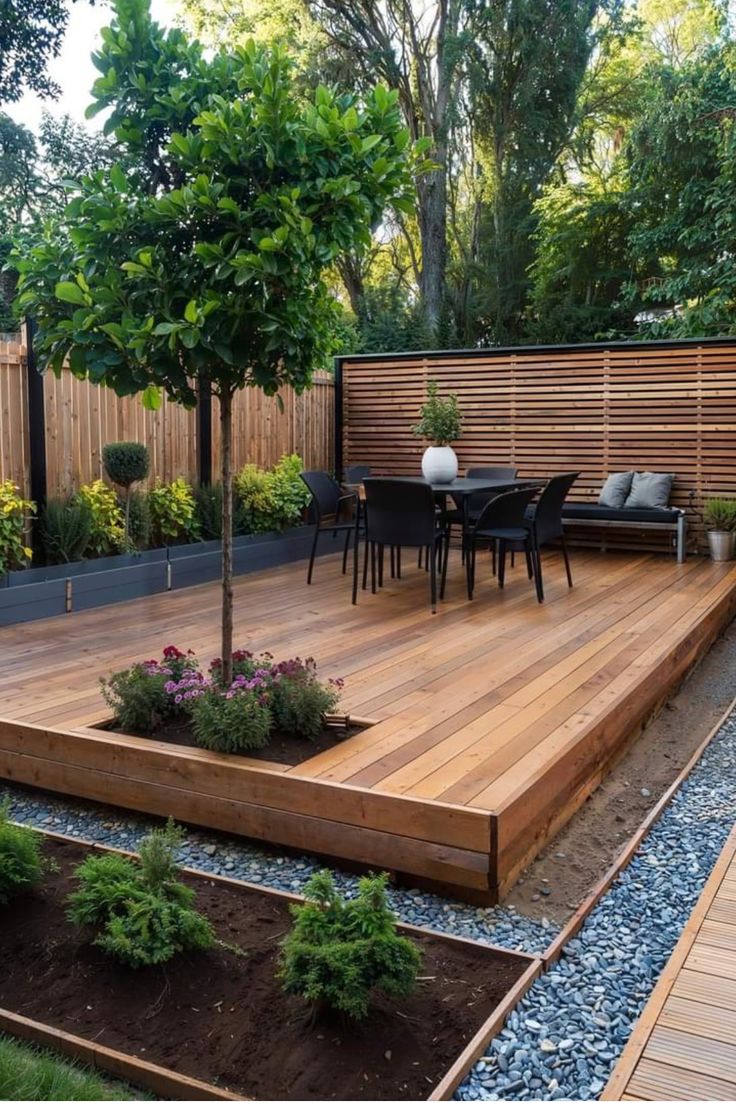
(649, 490)
(579, 511)
(616, 490)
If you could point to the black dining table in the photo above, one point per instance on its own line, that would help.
(462, 489)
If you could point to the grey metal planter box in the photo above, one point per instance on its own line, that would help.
(69, 587)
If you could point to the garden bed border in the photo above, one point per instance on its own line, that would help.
(39, 592)
(174, 1085)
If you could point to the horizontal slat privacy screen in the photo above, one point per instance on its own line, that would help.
(593, 409)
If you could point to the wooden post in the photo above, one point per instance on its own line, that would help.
(338, 423)
(36, 425)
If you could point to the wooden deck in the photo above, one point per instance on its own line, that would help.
(684, 1044)
(494, 719)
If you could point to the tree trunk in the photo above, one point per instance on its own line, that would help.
(432, 190)
(226, 438)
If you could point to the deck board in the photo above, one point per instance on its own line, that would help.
(502, 707)
(683, 1045)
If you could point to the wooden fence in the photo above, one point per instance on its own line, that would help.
(80, 418)
(659, 406)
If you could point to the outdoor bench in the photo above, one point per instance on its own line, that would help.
(663, 520)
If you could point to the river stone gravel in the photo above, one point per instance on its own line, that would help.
(212, 852)
(565, 1035)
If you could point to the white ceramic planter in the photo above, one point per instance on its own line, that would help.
(439, 464)
(721, 545)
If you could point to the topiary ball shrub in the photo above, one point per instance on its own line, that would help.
(142, 912)
(340, 951)
(21, 863)
(126, 462)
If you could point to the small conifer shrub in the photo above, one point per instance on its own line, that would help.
(340, 951)
(21, 863)
(142, 913)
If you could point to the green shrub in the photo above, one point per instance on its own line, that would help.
(139, 520)
(209, 513)
(66, 530)
(719, 514)
(230, 721)
(339, 951)
(142, 913)
(440, 420)
(272, 500)
(107, 529)
(126, 462)
(299, 701)
(138, 696)
(14, 512)
(173, 513)
(21, 862)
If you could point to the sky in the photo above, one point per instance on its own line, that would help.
(73, 70)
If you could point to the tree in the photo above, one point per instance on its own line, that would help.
(683, 187)
(202, 269)
(31, 34)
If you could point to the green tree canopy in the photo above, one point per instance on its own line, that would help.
(199, 261)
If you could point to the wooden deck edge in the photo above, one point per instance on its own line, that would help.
(641, 703)
(626, 1065)
(155, 1078)
(479, 1043)
(172, 1085)
(628, 850)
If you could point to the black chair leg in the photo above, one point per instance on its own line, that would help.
(356, 542)
(345, 551)
(501, 563)
(538, 572)
(567, 562)
(529, 565)
(493, 556)
(373, 567)
(419, 558)
(398, 561)
(468, 565)
(445, 549)
(366, 551)
(393, 561)
(433, 579)
(380, 565)
(311, 557)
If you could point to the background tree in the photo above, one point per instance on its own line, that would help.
(198, 263)
(31, 34)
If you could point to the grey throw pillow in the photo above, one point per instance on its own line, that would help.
(616, 490)
(649, 490)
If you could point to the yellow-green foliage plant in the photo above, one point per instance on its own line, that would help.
(21, 863)
(173, 513)
(14, 512)
(107, 523)
(274, 500)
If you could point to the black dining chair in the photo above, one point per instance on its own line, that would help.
(503, 524)
(544, 520)
(355, 473)
(401, 514)
(476, 501)
(334, 512)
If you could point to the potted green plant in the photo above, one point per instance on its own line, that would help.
(719, 516)
(440, 422)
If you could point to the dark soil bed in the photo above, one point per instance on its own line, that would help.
(221, 1017)
(282, 748)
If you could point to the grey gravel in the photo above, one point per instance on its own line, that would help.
(566, 1034)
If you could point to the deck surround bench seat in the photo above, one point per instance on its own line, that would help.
(667, 520)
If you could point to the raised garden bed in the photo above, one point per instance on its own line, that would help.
(69, 587)
(221, 1017)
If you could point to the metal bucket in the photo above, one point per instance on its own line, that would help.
(721, 545)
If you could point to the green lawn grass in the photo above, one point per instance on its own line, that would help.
(30, 1073)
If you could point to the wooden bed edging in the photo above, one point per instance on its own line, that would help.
(144, 1074)
(629, 849)
(172, 1085)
